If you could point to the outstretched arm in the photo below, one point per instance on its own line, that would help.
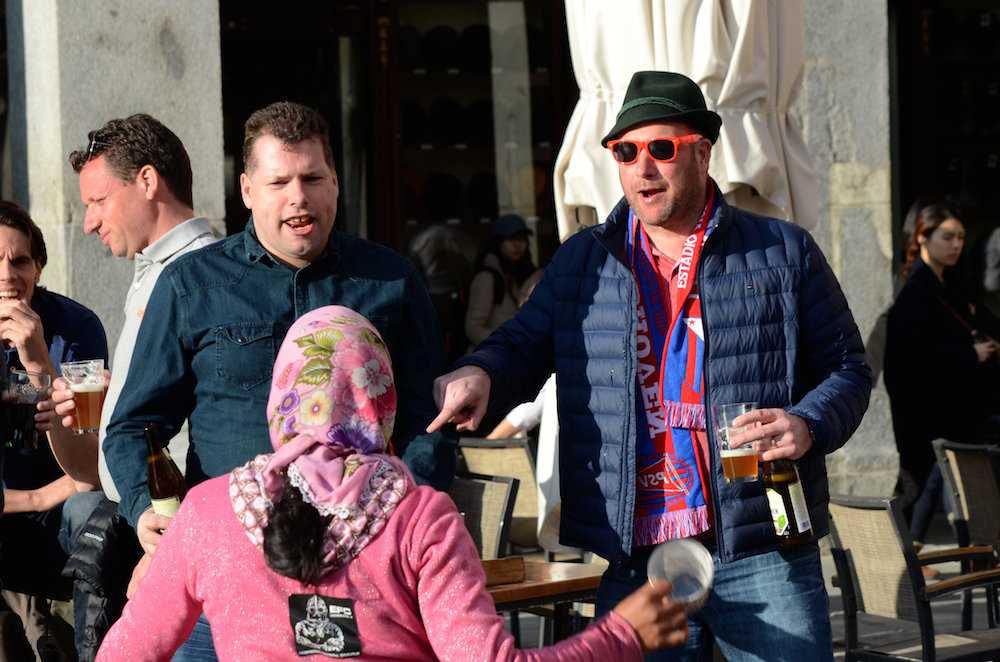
(461, 397)
(159, 391)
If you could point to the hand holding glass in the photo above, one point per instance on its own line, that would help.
(86, 380)
(24, 391)
(739, 463)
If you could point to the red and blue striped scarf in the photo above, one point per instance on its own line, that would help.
(670, 496)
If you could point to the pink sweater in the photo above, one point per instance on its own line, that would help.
(418, 589)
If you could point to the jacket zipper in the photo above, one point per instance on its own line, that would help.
(713, 447)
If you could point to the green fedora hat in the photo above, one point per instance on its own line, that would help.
(663, 96)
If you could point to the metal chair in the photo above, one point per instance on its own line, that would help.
(514, 457)
(879, 574)
(486, 503)
(971, 484)
(974, 496)
(487, 506)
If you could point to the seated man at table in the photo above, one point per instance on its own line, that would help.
(40, 330)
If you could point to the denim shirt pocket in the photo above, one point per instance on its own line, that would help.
(244, 353)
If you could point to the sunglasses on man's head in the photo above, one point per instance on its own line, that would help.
(663, 150)
(93, 146)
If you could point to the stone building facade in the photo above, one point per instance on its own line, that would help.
(73, 65)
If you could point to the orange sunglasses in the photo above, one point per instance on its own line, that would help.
(663, 150)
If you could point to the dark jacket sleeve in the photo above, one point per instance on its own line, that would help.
(88, 342)
(156, 390)
(417, 351)
(836, 379)
(519, 355)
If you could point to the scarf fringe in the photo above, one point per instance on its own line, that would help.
(655, 529)
(684, 415)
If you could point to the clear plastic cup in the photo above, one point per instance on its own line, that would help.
(688, 566)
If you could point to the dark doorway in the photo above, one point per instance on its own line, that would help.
(442, 113)
(313, 52)
(946, 107)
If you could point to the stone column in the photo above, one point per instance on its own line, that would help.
(844, 112)
(75, 65)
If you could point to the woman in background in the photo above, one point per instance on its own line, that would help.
(500, 272)
(328, 547)
(940, 371)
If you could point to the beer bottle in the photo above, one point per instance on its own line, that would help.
(789, 512)
(166, 483)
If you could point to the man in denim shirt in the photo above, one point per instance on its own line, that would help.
(217, 316)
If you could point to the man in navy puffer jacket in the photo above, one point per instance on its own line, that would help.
(678, 302)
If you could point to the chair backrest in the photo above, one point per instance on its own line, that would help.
(875, 557)
(514, 458)
(972, 489)
(486, 503)
(505, 457)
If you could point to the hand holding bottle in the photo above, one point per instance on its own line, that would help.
(166, 490)
(149, 530)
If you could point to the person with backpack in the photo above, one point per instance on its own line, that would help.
(500, 271)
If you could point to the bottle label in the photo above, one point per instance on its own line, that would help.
(778, 515)
(798, 498)
(166, 507)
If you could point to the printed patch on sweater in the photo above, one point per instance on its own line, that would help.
(324, 626)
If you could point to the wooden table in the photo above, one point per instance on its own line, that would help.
(558, 584)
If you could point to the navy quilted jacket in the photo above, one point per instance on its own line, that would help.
(778, 331)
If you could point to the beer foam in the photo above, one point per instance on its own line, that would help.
(86, 388)
(737, 452)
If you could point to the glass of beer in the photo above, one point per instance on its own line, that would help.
(86, 379)
(739, 464)
(24, 391)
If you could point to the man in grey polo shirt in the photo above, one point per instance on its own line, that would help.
(135, 179)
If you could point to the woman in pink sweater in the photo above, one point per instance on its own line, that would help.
(328, 546)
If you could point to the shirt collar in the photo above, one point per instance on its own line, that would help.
(174, 240)
(257, 253)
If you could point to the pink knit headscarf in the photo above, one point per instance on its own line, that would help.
(330, 415)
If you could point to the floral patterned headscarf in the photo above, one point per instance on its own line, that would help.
(330, 416)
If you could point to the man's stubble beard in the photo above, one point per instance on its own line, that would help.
(675, 213)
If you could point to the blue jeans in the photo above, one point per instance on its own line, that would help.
(75, 513)
(199, 646)
(767, 608)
